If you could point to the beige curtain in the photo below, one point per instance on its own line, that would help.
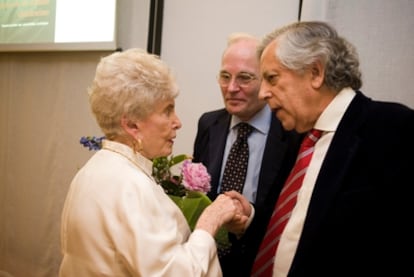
(43, 113)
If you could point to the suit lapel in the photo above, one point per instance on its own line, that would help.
(340, 154)
(273, 155)
(217, 144)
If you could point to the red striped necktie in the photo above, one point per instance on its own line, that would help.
(263, 265)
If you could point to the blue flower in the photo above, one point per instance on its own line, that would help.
(92, 142)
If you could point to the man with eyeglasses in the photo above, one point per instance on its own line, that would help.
(272, 151)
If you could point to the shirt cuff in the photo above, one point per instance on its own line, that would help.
(250, 218)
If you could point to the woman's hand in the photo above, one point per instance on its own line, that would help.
(223, 210)
(246, 208)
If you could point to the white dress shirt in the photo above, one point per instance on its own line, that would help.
(328, 123)
(117, 221)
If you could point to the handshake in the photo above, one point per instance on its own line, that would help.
(230, 210)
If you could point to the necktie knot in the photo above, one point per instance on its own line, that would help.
(311, 138)
(244, 130)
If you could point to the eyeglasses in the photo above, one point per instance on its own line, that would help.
(242, 79)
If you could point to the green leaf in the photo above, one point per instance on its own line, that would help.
(178, 159)
(192, 205)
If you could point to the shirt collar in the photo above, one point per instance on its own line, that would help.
(329, 120)
(260, 121)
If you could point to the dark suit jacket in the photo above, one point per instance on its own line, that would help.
(278, 158)
(359, 219)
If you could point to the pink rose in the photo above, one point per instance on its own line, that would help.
(196, 177)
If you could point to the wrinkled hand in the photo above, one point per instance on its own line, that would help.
(223, 210)
(238, 224)
(245, 206)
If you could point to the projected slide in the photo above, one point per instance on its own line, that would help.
(57, 23)
(27, 21)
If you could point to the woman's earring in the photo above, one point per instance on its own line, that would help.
(138, 145)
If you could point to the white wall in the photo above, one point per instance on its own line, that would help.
(194, 36)
(132, 23)
(382, 31)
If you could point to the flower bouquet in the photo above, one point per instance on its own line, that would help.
(187, 189)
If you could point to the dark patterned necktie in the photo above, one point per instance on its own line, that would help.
(263, 265)
(235, 170)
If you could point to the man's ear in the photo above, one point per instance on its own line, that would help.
(129, 126)
(318, 74)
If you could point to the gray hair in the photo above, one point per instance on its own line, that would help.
(300, 44)
(129, 84)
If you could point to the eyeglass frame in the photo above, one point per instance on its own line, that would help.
(242, 79)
